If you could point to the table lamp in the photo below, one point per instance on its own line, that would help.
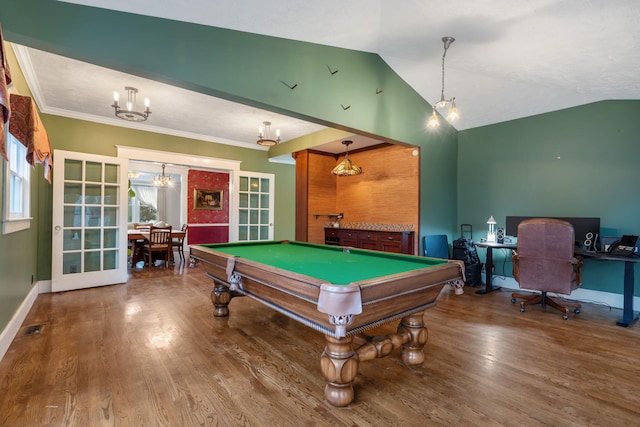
(491, 234)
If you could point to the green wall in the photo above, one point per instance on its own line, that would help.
(580, 161)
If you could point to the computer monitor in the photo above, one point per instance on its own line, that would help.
(586, 229)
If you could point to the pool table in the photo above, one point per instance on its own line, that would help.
(338, 291)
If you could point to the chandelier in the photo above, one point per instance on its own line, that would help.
(346, 167)
(162, 180)
(264, 135)
(129, 114)
(453, 115)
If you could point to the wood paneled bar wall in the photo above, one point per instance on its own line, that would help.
(388, 191)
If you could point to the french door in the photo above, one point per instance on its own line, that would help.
(255, 202)
(89, 242)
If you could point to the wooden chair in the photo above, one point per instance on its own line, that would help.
(159, 242)
(545, 262)
(178, 242)
(137, 256)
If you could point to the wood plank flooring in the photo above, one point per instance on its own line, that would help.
(149, 353)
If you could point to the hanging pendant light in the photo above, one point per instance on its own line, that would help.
(453, 114)
(163, 180)
(346, 167)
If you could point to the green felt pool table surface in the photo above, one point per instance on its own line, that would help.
(329, 263)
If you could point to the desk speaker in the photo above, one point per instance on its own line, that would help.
(589, 241)
(500, 235)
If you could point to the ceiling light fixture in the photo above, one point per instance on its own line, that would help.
(346, 167)
(264, 135)
(453, 115)
(129, 114)
(163, 180)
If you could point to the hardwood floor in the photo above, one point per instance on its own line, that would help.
(149, 353)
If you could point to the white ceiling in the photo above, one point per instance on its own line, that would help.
(511, 59)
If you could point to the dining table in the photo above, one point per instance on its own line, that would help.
(140, 235)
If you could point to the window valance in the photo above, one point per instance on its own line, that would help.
(5, 79)
(25, 125)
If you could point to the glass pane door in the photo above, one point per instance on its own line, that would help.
(255, 206)
(89, 221)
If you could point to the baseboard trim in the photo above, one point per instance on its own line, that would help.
(11, 330)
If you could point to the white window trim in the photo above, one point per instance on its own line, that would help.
(10, 224)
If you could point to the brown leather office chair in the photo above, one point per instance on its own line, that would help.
(545, 261)
(159, 242)
(178, 242)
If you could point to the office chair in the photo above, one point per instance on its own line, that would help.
(544, 261)
(436, 246)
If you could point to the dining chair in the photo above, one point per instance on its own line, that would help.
(178, 242)
(159, 242)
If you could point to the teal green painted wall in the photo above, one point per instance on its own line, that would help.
(238, 66)
(439, 183)
(581, 161)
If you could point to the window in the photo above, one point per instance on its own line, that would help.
(17, 189)
(143, 206)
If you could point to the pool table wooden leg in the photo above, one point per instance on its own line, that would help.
(339, 365)
(220, 296)
(414, 326)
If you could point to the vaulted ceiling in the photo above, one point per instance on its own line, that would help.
(510, 59)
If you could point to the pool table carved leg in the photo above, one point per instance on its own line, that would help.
(220, 296)
(413, 325)
(339, 365)
(411, 336)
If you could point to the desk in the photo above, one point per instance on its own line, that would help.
(337, 291)
(135, 235)
(488, 266)
(628, 317)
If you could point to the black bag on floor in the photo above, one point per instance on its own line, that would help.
(465, 251)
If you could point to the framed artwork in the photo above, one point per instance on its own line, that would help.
(207, 199)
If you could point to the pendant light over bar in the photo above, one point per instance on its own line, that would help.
(346, 167)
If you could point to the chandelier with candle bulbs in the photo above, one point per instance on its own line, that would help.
(128, 112)
(162, 180)
(264, 135)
